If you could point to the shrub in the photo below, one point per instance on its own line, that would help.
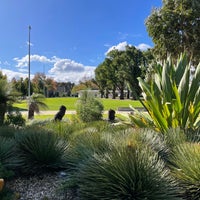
(85, 144)
(94, 138)
(120, 164)
(88, 108)
(63, 129)
(5, 173)
(40, 151)
(127, 173)
(171, 98)
(8, 158)
(15, 119)
(186, 168)
(8, 132)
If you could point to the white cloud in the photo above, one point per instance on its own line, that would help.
(74, 77)
(61, 69)
(23, 62)
(66, 65)
(69, 70)
(120, 47)
(12, 74)
(143, 46)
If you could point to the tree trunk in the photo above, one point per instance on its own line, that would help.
(128, 94)
(113, 94)
(31, 112)
(107, 93)
(121, 93)
(2, 112)
(102, 93)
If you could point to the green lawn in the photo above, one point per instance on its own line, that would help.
(70, 103)
(70, 117)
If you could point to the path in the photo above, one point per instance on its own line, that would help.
(53, 112)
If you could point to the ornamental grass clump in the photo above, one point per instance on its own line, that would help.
(64, 130)
(125, 173)
(7, 131)
(8, 158)
(186, 169)
(40, 151)
(85, 145)
(124, 164)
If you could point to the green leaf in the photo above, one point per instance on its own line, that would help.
(139, 122)
(180, 68)
(166, 81)
(194, 87)
(184, 85)
(197, 104)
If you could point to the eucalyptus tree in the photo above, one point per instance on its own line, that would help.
(175, 28)
(101, 78)
(135, 65)
(111, 75)
(121, 68)
(105, 76)
(117, 70)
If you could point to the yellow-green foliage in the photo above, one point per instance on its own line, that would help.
(171, 98)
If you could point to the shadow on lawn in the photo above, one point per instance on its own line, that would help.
(19, 109)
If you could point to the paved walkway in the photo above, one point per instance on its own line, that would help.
(53, 112)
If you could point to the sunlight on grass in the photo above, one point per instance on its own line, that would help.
(70, 103)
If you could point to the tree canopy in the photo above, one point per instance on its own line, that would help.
(120, 70)
(175, 28)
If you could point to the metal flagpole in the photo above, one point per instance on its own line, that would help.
(29, 61)
(29, 67)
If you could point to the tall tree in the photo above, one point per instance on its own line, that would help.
(51, 87)
(118, 72)
(135, 65)
(175, 28)
(38, 82)
(111, 76)
(100, 77)
(20, 86)
(121, 68)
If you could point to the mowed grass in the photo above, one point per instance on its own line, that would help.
(70, 103)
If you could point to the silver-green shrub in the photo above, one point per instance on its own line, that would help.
(89, 108)
(40, 151)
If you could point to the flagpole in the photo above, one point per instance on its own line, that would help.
(29, 62)
(29, 67)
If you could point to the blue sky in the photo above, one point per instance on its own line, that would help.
(69, 38)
